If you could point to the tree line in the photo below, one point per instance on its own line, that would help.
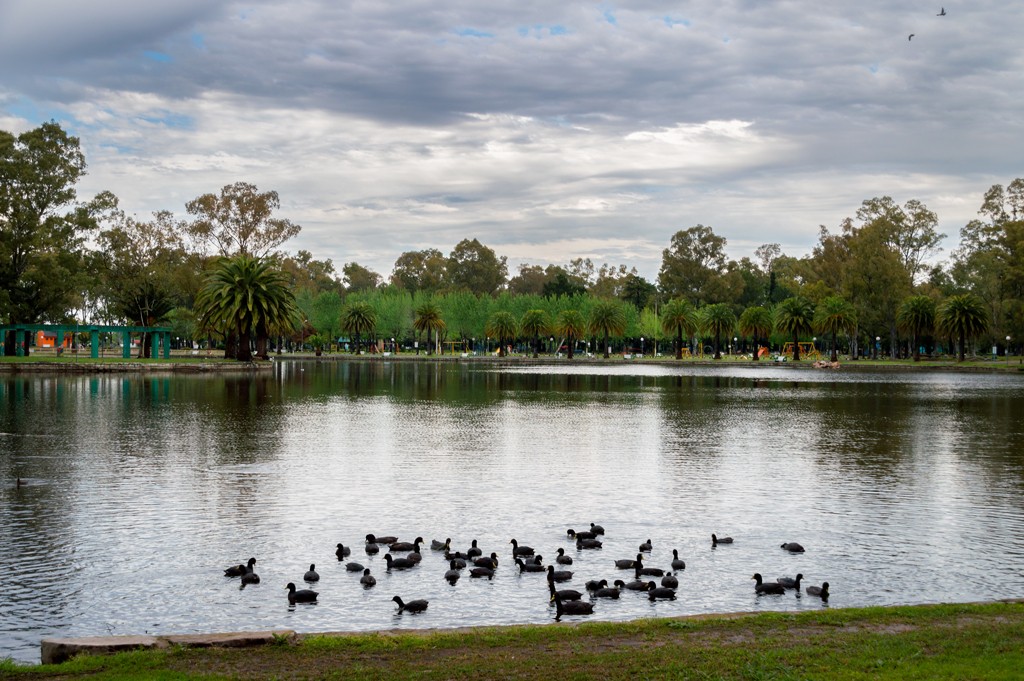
(220, 272)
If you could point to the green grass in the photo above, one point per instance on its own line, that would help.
(919, 642)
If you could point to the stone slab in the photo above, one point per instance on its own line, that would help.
(57, 650)
(239, 639)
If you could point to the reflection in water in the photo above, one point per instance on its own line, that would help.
(141, 489)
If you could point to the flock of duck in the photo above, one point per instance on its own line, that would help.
(473, 562)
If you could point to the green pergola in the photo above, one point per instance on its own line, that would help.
(162, 334)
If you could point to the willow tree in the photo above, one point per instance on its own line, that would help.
(962, 316)
(246, 298)
(502, 326)
(607, 319)
(678, 317)
(834, 315)
(794, 317)
(916, 316)
(572, 326)
(756, 322)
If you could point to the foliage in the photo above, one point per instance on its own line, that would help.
(425, 270)
(679, 317)
(757, 323)
(474, 267)
(694, 265)
(717, 319)
(358, 319)
(963, 317)
(607, 319)
(428, 320)
(572, 326)
(239, 221)
(794, 317)
(358, 278)
(835, 315)
(916, 316)
(533, 324)
(502, 327)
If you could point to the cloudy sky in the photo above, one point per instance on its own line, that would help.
(548, 130)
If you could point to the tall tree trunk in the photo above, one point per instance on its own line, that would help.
(572, 346)
(963, 342)
(679, 342)
(244, 352)
(718, 353)
(835, 356)
(796, 348)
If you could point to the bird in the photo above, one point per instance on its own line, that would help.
(654, 592)
(558, 575)
(406, 546)
(529, 567)
(587, 544)
(311, 574)
(479, 572)
(415, 556)
(595, 584)
(239, 570)
(564, 594)
(518, 550)
(763, 587)
(596, 529)
(474, 550)
(586, 534)
(572, 608)
(453, 574)
(455, 558)
(790, 583)
(625, 563)
(638, 565)
(793, 547)
(342, 551)
(371, 539)
(646, 546)
(490, 562)
(398, 563)
(911, 36)
(371, 549)
(250, 578)
(716, 540)
(941, 13)
(670, 580)
(457, 555)
(418, 605)
(635, 585)
(354, 567)
(610, 591)
(367, 579)
(677, 562)
(563, 559)
(436, 545)
(819, 591)
(300, 596)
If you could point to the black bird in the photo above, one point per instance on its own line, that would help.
(610, 591)
(354, 567)
(595, 584)
(596, 529)
(367, 579)
(677, 562)
(638, 565)
(342, 551)
(587, 544)
(793, 547)
(646, 546)
(412, 606)
(311, 574)
(250, 578)
(654, 592)
(670, 580)
(371, 539)
(518, 550)
(479, 572)
(300, 596)
(415, 556)
(763, 587)
(406, 546)
(625, 563)
(635, 585)
(910, 37)
(573, 534)
(473, 551)
(819, 591)
(239, 570)
(564, 594)
(563, 559)
(529, 567)
(489, 562)
(536, 560)
(371, 549)
(942, 12)
(572, 608)
(436, 545)
(559, 575)
(790, 583)
(398, 563)
(453, 574)
(716, 540)
(459, 562)
(457, 555)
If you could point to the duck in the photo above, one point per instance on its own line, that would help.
(398, 563)
(453, 574)
(595, 584)
(480, 572)
(536, 560)
(819, 591)
(239, 570)
(649, 571)
(563, 559)
(414, 556)
(670, 580)
(406, 546)
(300, 596)
(473, 551)
(454, 558)
(790, 583)
(763, 587)
(793, 547)
(564, 594)
(610, 591)
(371, 549)
(490, 561)
(716, 540)
(625, 563)
(654, 592)
(371, 539)
(558, 575)
(529, 567)
(573, 534)
(250, 578)
(311, 574)
(354, 567)
(518, 550)
(596, 529)
(677, 562)
(367, 579)
(457, 555)
(436, 545)
(342, 551)
(588, 544)
(418, 605)
(635, 585)
(646, 546)
(572, 607)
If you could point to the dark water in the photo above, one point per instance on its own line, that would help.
(140, 490)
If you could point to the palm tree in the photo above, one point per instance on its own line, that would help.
(572, 326)
(756, 322)
(835, 314)
(677, 318)
(428, 319)
(962, 316)
(502, 325)
(916, 316)
(607, 319)
(533, 324)
(358, 318)
(718, 319)
(794, 317)
(246, 298)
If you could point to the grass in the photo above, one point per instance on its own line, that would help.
(920, 642)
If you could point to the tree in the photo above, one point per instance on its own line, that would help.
(962, 316)
(637, 290)
(502, 326)
(475, 267)
(909, 230)
(42, 229)
(533, 324)
(833, 315)
(239, 221)
(572, 326)
(357, 319)
(428, 320)
(717, 319)
(757, 323)
(358, 278)
(794, 317)
(420, 271)
(916, 316)
(310, 274)
(562, 284)
(246, 298)
(678, 317)
(607, 319)
(530, 280)
(692, 264)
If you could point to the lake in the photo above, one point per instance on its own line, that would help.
(904, 487)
